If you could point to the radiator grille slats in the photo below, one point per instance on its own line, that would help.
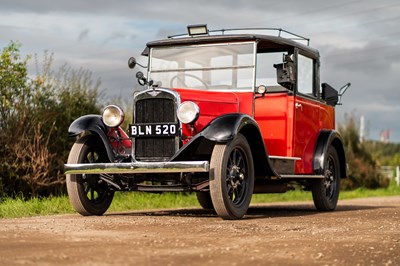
(155, 110)
(155, 149)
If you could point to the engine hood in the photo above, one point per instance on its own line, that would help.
(213, 104)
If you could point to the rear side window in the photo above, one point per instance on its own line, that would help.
(305, 75)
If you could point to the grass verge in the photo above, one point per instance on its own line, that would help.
(12, 208)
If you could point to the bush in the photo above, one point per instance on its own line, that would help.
(35, 116)
(363, 170)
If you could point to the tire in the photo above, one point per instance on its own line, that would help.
(325, 191)
(88, 194)
(232, 178)
(204, 199)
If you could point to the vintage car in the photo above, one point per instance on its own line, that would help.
(224, 114)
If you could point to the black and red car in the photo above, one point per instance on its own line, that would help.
(222, 115)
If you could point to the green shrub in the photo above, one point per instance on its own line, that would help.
(363, 170)
(35, 115)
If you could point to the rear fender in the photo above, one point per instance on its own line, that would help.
(325, 139)
(93, 124)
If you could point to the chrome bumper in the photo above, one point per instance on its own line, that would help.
(137, 167)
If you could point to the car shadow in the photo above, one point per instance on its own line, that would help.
(254, 212)
(297, 210)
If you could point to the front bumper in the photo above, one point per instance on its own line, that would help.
(137, 167)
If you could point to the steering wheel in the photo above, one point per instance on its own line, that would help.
(178, 76)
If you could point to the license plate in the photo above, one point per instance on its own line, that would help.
(154, 130)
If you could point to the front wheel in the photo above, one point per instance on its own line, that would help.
(88, 194)
(325, 191)
(232, 178)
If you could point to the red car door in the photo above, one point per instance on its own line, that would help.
(306, 131)
(306, 115)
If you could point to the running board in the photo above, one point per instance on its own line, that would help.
(284, 158)
(301, 176)
(283, 165)
(285, 168)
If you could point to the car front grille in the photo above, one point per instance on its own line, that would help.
(155, 109)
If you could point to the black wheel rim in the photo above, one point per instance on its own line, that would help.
(236, 176)
(95, 190)
(330, 179)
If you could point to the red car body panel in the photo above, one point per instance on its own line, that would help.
(213, 104)
(119, 140)
(274, 115)
(310, 118)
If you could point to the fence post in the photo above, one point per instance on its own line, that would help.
(398, 175)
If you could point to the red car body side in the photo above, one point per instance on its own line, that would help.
(289, 124)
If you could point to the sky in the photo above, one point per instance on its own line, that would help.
(359, 41)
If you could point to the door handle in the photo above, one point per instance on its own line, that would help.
(298, 105)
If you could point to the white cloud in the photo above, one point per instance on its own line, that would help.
(358, 39)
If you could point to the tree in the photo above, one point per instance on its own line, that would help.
(13, 82)
(35, 115)
(14, 94)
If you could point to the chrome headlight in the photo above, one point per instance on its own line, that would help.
(188, 112)
(113, 116)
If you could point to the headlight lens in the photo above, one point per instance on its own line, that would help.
(113, 116)
(188, 112)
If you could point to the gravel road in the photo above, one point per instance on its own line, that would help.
(360, 232)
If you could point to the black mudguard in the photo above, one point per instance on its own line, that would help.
(95, 125)
(224, 129)
(325, 139)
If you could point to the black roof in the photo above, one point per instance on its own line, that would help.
(264, 42)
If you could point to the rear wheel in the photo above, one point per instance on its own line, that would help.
(232, 178)
(325, 191)
(204, 199)
(88, 194)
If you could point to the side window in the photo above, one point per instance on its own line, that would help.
(305, 75)
(266, 72)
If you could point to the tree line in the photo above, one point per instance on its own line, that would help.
(36, 112)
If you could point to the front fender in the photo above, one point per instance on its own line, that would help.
(325, 139)
(224, 128)
(94, 124)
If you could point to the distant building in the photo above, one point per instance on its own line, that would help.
(362, 129)
(385, 136)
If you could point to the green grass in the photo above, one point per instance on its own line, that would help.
(392, 190)
(19, 207)
(293, 195)
(125, 201)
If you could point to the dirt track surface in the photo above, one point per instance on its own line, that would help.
(360, 232)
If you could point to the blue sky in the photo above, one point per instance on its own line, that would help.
(358, 40)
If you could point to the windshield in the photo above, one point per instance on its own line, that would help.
(209, 67)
